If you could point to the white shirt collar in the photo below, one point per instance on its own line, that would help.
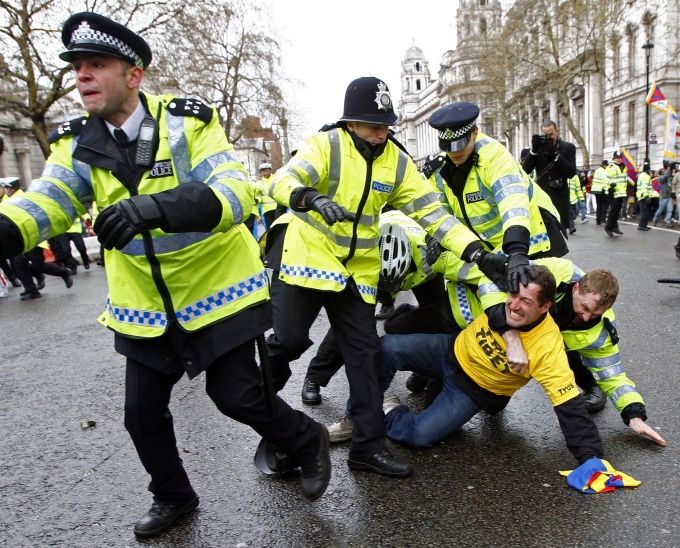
(132, 124)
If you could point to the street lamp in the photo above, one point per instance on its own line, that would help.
(647, 46)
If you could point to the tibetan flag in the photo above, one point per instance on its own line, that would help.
(657, 99)
(671, 136)
(631, 170)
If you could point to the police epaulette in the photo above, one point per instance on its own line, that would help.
(432, 165)
(72, 127)
(191, 107)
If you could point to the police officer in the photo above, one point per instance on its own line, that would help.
(600, 189)
(266, 206)
(643, 192)
(617, 185)
(488, 191)
(555, 162)
(327, 255)
(172, 197)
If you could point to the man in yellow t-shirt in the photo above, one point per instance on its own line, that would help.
(484, 371)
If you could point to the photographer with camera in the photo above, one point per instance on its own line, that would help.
(554, 161)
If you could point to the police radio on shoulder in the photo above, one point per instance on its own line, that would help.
(146, 143)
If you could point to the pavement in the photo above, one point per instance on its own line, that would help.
(494, 483)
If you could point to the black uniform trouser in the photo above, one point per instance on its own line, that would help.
(328, 359)
(32, 265)
(601, 201)
(79, 243)
(234, 384)
(613, 213)
(354, 325)
(644, 212)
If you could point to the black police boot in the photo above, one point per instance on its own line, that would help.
(416, 383)
(311, 393)
(595, 399)
(162, 516)
(316, 472)
(26, 295)
(68, 278)
(41, 281)
(383, 463)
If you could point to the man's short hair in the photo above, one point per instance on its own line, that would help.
(602, 283)
(543, 278)
(548, 123)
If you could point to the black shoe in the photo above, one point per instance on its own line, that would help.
(316, 473)
(86, 265)
(645, 228)
(598, 222)
(68, 279)
(311, 393)
(416, 383)
(41, 281)
(161, 516)
(73, 270)
(616, 231)
(383, 463)
(677, 251)
(572, 231)
(385, 311)
(595, 399)
(26, 295)
(609, 232)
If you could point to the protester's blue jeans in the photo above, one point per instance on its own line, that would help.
(430, 356)
(665, 206)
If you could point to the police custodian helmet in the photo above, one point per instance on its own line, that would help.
(368, 99)
(88, 32)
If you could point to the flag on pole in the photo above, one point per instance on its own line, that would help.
(631, 170)
(672, 132)
(657, 99)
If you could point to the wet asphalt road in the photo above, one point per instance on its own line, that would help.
(495, 483)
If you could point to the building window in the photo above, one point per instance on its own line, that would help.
(632, 52)
(482, 27)
(631, 118)
(417, 66)
(616, 61)
(482, 2)
(418, 85)
(616, 124)
(466, 74)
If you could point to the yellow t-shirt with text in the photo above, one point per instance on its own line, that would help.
(481, 354)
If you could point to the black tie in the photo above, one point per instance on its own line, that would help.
(120, 136)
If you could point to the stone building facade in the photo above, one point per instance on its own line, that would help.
(607, 103)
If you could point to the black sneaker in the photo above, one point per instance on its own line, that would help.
(26, 295)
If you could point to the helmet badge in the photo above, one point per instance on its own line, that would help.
(382, 97)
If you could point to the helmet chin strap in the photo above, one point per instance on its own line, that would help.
(367, 150)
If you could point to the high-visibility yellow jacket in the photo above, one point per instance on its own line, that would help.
(643, 187)
(617, 179)
(194, 278)
(263, 202)
(322, 257)
(575, 190)
(499, 195)
(597, 345)
(600, 182)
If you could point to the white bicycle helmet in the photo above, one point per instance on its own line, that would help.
(395, 253)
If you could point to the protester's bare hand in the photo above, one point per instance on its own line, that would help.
(518, 361)
(641, 428)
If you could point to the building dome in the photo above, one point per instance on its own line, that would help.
(413, 53)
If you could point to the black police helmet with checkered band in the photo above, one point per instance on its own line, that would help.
(88, 32)
(454, 122)
(368, 99)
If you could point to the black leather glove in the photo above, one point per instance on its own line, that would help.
(329, 210)
(116, 225)
(493, 266)
(518, 271)
(433, 250)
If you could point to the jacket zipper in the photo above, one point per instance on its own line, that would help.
(362, 203)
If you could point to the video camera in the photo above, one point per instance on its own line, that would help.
(544, 140)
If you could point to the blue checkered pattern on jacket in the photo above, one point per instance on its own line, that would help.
(148, 318)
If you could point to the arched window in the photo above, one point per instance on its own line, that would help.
(417, 85)
(417, 66)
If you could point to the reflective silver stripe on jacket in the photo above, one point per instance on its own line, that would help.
(342, 241)
(52, 191)
(203, 170)
(479, 144)
(225, 190)
(425, 266)
(421, 203)
(81, 187)
(402, 162)
(515, 212)
(179, 148)
(38, 214)
(621, 391)
(148, 318)
(601, 339)
(222, 297)
(488, 289)
(335, 163)
(167, 243)
(508, 184)
(444, 228)
(482, 219)
(609, 372)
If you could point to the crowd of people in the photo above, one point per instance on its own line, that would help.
(189, 292)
